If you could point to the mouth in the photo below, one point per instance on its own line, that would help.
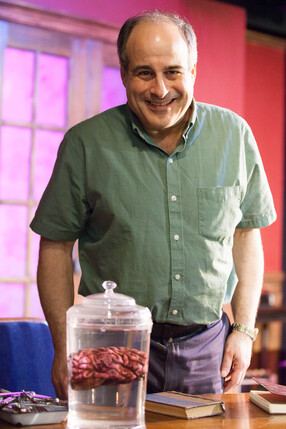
(160, 104)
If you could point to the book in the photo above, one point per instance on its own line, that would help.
(272, 400)
(278, 389)
(183, 405)
(269, 402)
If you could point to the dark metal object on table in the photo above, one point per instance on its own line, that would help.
(28, 402)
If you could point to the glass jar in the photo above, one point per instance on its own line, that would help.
(108, 339)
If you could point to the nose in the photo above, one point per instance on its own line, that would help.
(159, 88)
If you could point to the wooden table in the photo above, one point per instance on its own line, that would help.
(240, 414)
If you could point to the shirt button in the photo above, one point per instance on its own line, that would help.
(175, 312)
(173, 198)
(177, 276)
(176, 237)
(171, 161)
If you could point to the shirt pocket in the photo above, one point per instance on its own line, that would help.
(218, 211)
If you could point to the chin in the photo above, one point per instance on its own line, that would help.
(160, 123)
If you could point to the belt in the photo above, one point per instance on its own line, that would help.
(165, 331)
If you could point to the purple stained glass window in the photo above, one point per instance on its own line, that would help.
(52, 89)
(47, 144)
(15, 162)
(17, 99)
(13, 239)
(113, 92)
(21, 95)
(12, 302)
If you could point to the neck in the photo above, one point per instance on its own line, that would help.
(168, 139)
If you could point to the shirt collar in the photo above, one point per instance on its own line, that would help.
(135, 123)
(192, 118)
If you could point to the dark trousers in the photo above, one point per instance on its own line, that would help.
(189, 364)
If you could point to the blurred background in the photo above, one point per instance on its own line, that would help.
(58, 66)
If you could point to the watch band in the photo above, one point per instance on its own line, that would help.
(252, 333)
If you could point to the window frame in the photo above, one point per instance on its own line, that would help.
(90, 46)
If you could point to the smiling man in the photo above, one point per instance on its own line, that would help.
(159, 81)
(166, 197)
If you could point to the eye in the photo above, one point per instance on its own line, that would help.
(145, 74)
(173, 74)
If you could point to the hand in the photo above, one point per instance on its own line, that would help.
(60, 374)
(236, 359)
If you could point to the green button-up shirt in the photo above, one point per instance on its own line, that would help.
(160, 226)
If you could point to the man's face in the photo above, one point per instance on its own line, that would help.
(160, 80)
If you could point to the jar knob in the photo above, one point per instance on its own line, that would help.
(109, 285)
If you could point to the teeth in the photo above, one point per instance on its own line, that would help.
(160, 104)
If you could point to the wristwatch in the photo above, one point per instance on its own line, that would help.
(252, 333)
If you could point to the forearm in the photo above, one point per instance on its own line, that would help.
(55, 285)
(248, 261)
(249, 265)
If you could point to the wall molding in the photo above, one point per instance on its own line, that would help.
(266, 39)
(41, 18)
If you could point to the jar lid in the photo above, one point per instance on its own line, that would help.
(110, 309)
(109, 298)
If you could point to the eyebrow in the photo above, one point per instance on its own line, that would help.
(146, 67)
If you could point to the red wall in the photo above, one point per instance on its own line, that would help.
(221, 33)
(264, 111)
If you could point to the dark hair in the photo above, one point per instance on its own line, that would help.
(155, 16)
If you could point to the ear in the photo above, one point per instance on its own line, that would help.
(194, 72)
(124, 75)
